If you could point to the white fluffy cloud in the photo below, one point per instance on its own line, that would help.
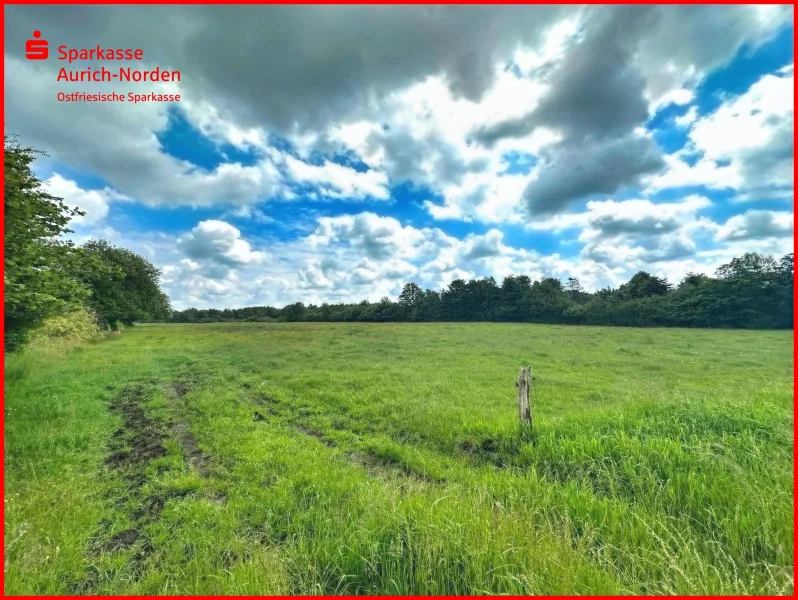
(690, 41)
(377, 237)
(746, 144)
(94, 203)
(219, 242)
(634, 232)
(370, 256)
(757, 224)
(754, 131)
(338, 181)
(483, 197)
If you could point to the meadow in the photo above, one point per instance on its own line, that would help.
(317, 458)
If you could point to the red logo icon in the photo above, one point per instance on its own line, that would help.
(36, 49)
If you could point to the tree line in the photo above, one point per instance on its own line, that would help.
(48, 276)
(753, 291)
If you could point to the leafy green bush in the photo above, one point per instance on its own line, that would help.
(75, 327)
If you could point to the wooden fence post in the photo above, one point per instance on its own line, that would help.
(523, 384)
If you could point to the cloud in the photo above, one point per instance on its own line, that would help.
(753, 130)
(687, 118)
(625, 254)
(585, 72)
(219, 242)
(631, 60)
(596, 91)
(136, 164)
(377, 237)
(600, 94)
(317, 274)
(95, 203)
(485, 246)
(362, 256)
(404, 87)
(757, 224)
(334, 59)
(746, 144)
(630, 232)
(595, 101)
(346, 56)
(189, 284)
(249, 213)
(482, 196)
(338, 181)
(371, 250)
(692, 40)
(421, 134)
(575, 172)
(641, 218)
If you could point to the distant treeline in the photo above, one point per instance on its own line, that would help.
(754, 291)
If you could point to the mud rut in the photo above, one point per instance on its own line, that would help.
(133, 447)
(141, 440)
(378, 467)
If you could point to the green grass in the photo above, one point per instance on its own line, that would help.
(386, 458)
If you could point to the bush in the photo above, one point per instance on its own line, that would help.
(76, 327)
(14, 340)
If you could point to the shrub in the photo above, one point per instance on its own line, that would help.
(75, 327)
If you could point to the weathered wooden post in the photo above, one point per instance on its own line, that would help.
(523, 384)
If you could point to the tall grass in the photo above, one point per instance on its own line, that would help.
(386, 459)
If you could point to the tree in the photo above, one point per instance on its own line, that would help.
(482, 299)
(749, 266)
(411, 295)
(751, 291)
(385, 310)
(576, 292)
(326, 312)
(786, 283)
(294, 312)
(410, 300)
(642, 285)
(513, 290)
(546, 301)
(694, 279)
(430, 308)
(453, 301)
(124, 286)
(38, 264)
(573, 285)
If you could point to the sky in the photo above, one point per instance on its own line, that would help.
(331, 154)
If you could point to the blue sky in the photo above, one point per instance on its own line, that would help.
(331, 173)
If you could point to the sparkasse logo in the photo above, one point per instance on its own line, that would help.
(36, 49)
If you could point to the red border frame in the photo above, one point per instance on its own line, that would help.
(351, 2)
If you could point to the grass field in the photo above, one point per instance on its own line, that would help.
(386, 458)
